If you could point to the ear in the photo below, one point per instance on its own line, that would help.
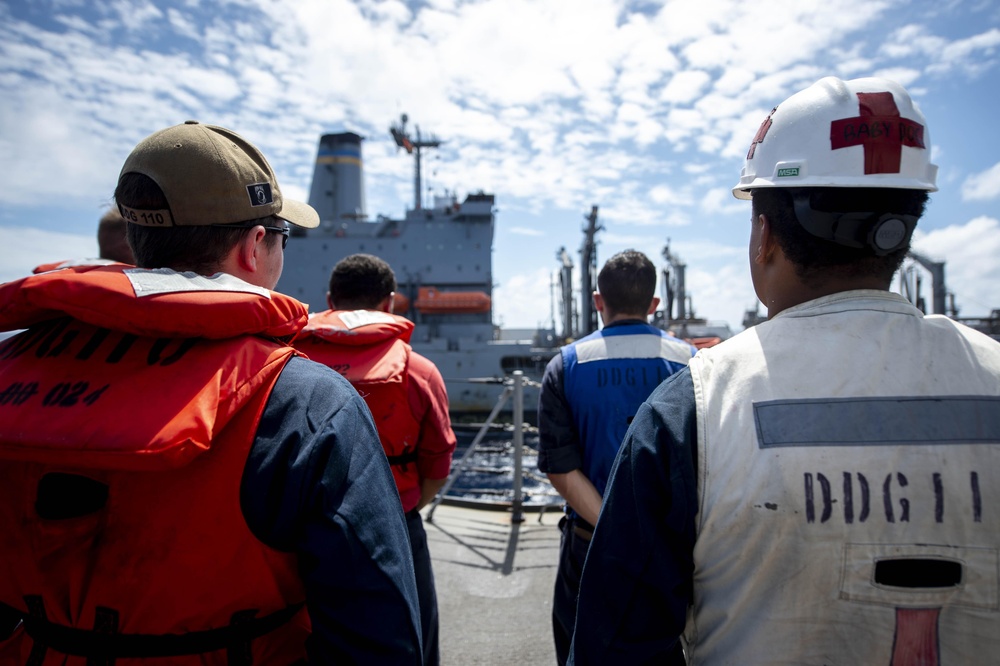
(766, 243)
(655, 303)
(598, 301)
(249, 250)
(329, 302)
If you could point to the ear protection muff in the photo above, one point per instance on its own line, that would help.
(882, 234)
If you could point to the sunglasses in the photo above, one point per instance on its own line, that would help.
(271, 230)
(279, 230)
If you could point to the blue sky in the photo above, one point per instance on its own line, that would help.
(645, 109)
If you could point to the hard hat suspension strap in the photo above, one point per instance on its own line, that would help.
(882, 234)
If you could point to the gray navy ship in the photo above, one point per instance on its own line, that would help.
(442, 255)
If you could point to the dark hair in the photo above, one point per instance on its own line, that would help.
(627, 283)
(200, 249)
(815, 258)
(361, 282)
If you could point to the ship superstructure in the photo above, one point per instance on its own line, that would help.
(677, 313)
(942, 298)
(442, 255)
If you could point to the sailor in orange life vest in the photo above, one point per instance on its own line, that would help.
(825, 486)
(175, 480)
(361, 338)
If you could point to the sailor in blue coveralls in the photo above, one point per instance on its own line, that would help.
(590, 392)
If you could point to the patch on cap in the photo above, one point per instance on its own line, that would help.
(260, 194)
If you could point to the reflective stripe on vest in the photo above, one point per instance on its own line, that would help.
(606, 376)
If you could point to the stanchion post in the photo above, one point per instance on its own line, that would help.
(517, 507)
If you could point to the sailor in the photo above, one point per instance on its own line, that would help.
(823, 487)
(590, 392)
(112, 246)
(361, 338)
(176, 481)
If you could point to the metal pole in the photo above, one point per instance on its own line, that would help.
(517, 513)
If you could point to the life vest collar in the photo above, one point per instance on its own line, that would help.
(151, 303)
(358, 327)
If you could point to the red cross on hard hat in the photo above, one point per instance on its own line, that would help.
(858, 133)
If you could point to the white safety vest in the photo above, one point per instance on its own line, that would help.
(849, 489)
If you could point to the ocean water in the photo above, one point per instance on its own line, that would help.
(487, 474)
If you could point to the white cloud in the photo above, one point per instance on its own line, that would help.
(911, 40)
(394, 11)
(80, 165)
(971, 54)
(35, 247)
(137, 15)
(664, 194)
(683, 125)
(733, 81)
(526, 299)
(182, 24)
(721, 200)
(983, 186)
(902, 75)
(722, 294)
(854, 67)
(685, 87)
(589, 75)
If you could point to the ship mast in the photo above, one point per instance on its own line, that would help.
(566, 287)
(939, 292)
(404, 141)
(673, 284)
(588, 279)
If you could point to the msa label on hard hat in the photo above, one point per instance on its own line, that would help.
(788, 172)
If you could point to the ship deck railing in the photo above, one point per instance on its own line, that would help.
(513, 390)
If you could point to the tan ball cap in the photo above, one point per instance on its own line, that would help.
(210, 176)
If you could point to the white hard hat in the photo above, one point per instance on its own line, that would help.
(859, 133)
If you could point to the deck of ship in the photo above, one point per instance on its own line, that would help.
(494, 582)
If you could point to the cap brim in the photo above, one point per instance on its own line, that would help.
(298, 213)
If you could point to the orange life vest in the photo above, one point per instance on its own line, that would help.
(123, 440)
(69, 263)
(370, 349)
